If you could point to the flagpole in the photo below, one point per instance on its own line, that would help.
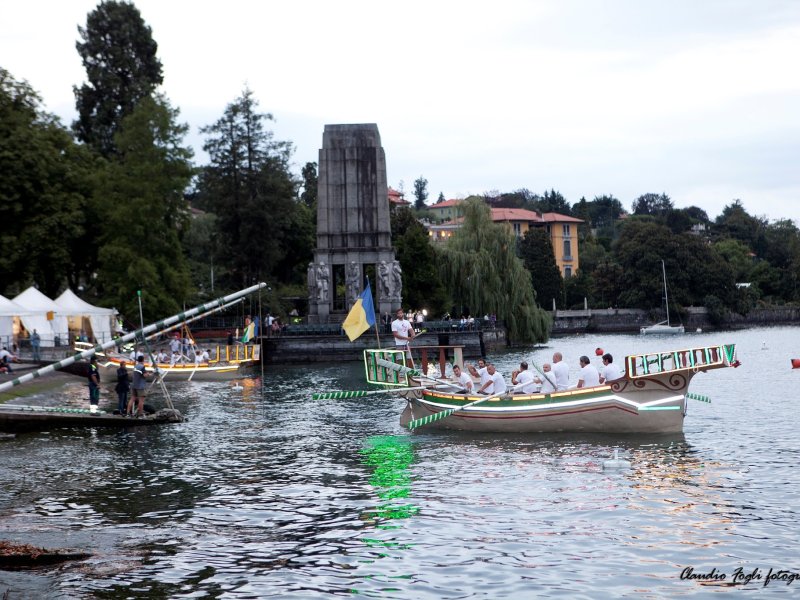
(375, 318)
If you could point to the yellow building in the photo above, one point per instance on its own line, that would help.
(562, 229)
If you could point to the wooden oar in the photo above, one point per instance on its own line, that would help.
(409, 371)
(446, 413)
(361, 393)
(699, 397)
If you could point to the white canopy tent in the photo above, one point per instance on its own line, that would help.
(9, 311)
(101, 320)
(38, 308)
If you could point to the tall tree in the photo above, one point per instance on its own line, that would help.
(422, 287)
(479, 265)
(119, 55)
(440, 199)
(46, 183)
(537, 254)
(420, 192)
(145, 211)
(657, 205)
(310, 185)
(553, 201)
(249, 186)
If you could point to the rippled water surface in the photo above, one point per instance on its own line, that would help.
(275, 495)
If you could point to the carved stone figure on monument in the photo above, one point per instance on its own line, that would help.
(323, 276)
(397, 279)
(312, 280)
(353, 281)
(384, 280)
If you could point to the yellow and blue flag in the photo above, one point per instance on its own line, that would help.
(251, 331)
(361, 317)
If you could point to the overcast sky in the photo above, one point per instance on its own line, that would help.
(699, 99)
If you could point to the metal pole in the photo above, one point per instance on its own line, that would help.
(128, 337)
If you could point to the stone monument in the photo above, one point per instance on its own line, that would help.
(354, 236)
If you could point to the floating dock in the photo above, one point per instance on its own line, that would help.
(19, 419)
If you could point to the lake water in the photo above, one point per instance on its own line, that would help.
(276, 495)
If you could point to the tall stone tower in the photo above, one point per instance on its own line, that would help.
(354, 237)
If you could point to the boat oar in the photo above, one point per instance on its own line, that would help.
(409, 371)
(446, 413)
(360, 393)
(699, 397)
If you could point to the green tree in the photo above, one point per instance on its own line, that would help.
(553, 201)
(422, 286)
(420, 192)
(248, 186)
(440, 199)
(46, 183)
(142, 193)
(310, 185)
(536, 252)
(479, 265)
(119, 55)
(736, 223)
(656, 205)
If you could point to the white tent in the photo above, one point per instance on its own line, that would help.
(101, 320)
(9, 311)
(38, 308)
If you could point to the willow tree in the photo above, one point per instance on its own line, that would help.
(480, 265)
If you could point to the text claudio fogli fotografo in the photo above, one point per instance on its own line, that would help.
(743, 576)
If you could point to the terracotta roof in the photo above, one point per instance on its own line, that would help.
(445, 204)
(552, 217)
(396, 197)
(514, 214)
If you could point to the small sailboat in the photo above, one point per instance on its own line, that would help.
(664, 327)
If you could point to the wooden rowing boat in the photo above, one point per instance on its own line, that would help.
(234, 363)
(650, 397)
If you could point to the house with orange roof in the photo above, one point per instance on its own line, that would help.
(397, 199)
(445, 211)
(562, 229)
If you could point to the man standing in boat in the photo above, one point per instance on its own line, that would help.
(403, 332)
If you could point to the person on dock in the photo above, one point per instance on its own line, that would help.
(94, 384)
(610, 370)
(524, 380)
(589, 376)
(36, 344)
(496, 384)
(560, 370)
(123, 387)
(462, 379)
(139, 384)
(547, 381)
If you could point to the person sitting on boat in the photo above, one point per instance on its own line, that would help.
(175, 358)
(611, 371)
(462, 378)
(162, 356)
(588, 377)
(560, 370)
(496, 384)
(206, 356)
(480, 372)
(524, 380)
(548, 381)
(198, 358)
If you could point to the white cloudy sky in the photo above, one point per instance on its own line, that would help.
(699, 99)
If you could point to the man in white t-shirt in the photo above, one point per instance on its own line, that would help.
(402, 330)
(611, 371)
(480, 372)
(588, 377)
(548, 380)
(496, 384)
(560, 371)
(524, 380)
(462, 379)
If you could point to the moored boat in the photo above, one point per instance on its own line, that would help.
(650, 397)
(230, 362)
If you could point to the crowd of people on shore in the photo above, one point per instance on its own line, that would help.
(484, 378)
